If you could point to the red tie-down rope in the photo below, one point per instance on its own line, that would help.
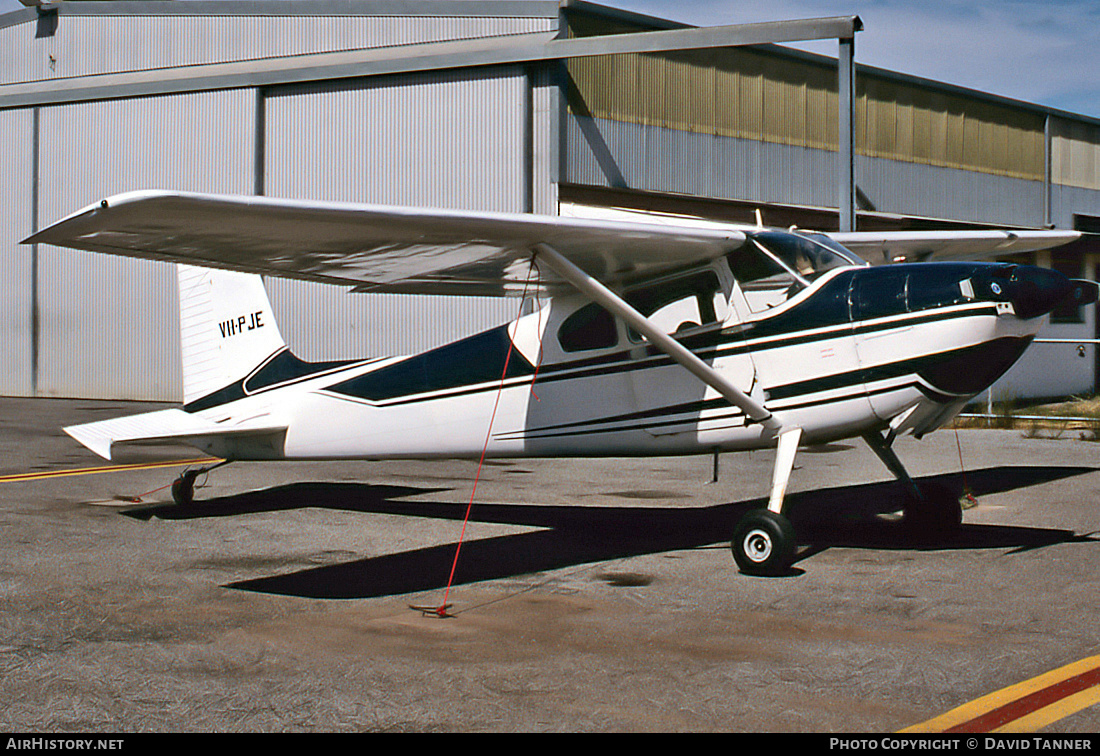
(441, 610)
(967, 493)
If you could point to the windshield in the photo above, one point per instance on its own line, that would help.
(778, 264)
(806, 255)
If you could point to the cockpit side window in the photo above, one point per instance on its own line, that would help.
(773, 266)
(808, 256)
(764, 281)
(680, 304)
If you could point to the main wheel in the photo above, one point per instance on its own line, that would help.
(937, 514)
(763, 543)
(183, 488)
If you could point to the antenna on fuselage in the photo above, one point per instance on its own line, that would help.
(759, 218)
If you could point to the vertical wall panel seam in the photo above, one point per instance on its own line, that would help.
(259, 156)
(1047, 172)
(528, 141)
(35, 162)
(259, 147)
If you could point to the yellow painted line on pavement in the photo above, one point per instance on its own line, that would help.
(105, 469)
(1027, 706)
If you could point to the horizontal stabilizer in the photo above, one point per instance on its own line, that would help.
(163, 425)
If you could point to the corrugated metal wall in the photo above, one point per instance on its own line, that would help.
(544, 146)
(16, 261)
(455, 140)
(905, 130)
(902, 121)
(754, 95)
(1069, 201)
(603, 152)
(930, 191)
(615, 154)
(735, 93)
(1075, 154)
(109, 326)
(88, 45)
(754, 125)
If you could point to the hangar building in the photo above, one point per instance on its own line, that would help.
(466, 104)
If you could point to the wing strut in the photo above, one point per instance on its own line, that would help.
(764, 542)
(613, 303)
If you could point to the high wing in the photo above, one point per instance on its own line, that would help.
(881, 247)
(431, 251)
(875, 247)
(378, 248)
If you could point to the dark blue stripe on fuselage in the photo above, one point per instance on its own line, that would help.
(468, 365)
(280, 369)
(957, 371)
(475, 360)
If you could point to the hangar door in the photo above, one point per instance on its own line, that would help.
(16, 261)
(440, 139)
(109, 326)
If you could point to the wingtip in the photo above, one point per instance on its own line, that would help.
(43, 236)
(99, 444)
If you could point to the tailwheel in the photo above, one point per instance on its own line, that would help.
(936, 513)
(764, 543)
(183, 488)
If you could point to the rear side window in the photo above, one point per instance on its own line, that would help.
(675, 306)
(591, 327)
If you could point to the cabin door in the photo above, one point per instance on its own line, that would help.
(672, 405)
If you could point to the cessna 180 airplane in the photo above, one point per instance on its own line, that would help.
(637, 338)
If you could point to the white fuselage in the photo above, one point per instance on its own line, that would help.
(827, 370)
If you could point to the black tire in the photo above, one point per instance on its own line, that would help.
(183, 488)
(938, 514)
(763, 543)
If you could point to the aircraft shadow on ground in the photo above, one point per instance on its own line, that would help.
(567, 536)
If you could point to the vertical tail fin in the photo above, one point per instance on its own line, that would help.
(227, 329)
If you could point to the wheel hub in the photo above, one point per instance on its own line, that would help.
(758, 545)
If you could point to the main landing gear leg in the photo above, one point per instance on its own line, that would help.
(183, 487)
(929, 510)
(764, 542)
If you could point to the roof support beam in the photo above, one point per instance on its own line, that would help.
(846, 168)
(770, 32)
(513, 49)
